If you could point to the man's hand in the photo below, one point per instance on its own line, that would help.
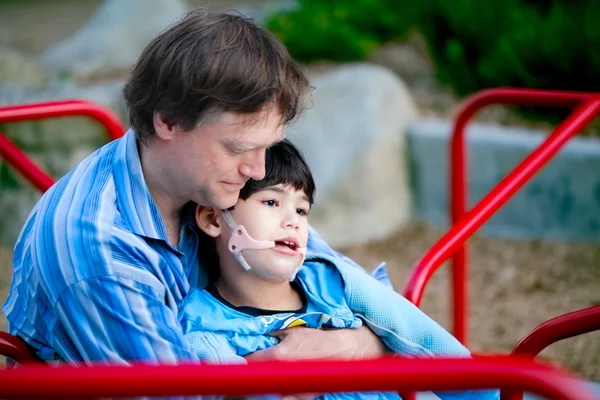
(305, 343)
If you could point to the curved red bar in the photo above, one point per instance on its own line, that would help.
(17, 113)
(15, 157)
(563, 327)
(63, 108)
(459, 178)
(465, 225)
(16, 349)
(389, 374)
(559, 328)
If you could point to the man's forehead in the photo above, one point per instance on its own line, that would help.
(266, 116)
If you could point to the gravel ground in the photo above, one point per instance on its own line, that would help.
(514, 286)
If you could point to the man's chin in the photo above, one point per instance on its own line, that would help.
(224, 202)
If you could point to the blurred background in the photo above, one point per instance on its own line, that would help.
(389, 77)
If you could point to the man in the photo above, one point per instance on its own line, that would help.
(109, 252)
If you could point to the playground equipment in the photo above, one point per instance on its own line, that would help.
(451, 245)
(26, 112)
(511, 373)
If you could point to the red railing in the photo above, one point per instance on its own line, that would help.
(385, 374)
(16, 349)
(563, 327)
(15, 157)
(466, 223)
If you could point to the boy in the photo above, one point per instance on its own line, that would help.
(262, 280)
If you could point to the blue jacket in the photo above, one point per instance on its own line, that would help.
(338, 295)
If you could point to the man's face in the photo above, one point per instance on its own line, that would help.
(212, 162)
(280, 214)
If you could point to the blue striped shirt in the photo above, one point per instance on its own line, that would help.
(94, 275)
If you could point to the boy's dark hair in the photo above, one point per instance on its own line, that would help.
(209, 63)
(285, 165)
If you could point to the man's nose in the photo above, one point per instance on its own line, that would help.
(254, 166)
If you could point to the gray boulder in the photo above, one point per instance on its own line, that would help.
(113, 38)
(353, 139)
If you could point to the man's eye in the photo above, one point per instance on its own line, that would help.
(270, 203)
(235, 151)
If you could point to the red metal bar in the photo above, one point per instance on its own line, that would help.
(16, 349)
(563, 327)
(459, 183)
(31, 171)
(15, 157)
(459, 177)
(385, 374)
(63, 108)
(559, 328)
(408, 396)
(454, 239)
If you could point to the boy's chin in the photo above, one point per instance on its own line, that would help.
(278, 274)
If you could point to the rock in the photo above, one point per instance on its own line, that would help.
(57, 145)
(113, 38)
(414, 68)
(560, 202)
(19, 69)
(353, 140)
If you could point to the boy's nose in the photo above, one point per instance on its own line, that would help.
(291, 220)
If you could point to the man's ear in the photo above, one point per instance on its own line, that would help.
(162, 127)
(207, 219)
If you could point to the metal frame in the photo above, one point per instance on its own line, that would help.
(53, 109)
(385, 374)
(16, 349)
(559, 328)
(466, 223)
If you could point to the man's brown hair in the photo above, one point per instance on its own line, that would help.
(209, 62)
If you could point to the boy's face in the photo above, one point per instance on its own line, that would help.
(280, 214)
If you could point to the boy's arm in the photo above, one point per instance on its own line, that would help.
(212, 347)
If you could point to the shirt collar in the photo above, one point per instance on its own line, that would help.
(139, 212)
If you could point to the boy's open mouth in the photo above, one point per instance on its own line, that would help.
(287, 243)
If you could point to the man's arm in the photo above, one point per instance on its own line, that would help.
(116, 319)
(306, 343)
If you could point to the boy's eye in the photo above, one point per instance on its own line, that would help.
(302, 212)
(270, 203)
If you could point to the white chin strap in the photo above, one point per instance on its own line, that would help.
(241, 240)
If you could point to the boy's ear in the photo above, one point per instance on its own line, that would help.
(207, 219)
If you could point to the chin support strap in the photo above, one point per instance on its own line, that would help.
(241, 240)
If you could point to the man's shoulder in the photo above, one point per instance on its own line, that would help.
(78, 214)
(83, 198)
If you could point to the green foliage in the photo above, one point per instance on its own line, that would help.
(551, 45)
(475, 44)
(338, 30)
